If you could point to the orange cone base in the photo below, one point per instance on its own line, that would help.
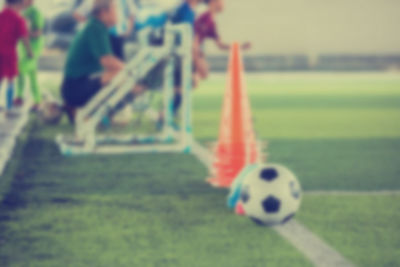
(220, 183)
(239, 210)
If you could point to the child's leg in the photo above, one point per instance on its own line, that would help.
(34, 86)
(202, 67)
(1, 87)
(10, 94)
(21, 86)
(23, 65)
(177, 100)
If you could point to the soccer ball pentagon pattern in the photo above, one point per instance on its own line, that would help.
(50, 112)
(270, 195)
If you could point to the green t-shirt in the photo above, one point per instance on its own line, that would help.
(35, 22)
(86, 51)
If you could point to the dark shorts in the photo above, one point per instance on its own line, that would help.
(8, 66)
(76, 92)
(117, 46)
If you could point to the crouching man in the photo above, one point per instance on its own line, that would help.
(90, 62)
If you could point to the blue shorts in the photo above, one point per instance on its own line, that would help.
(77, 92)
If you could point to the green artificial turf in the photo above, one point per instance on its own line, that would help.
(341, 164)
(365, 229)
(309, 106)
(14, 163)
(148, 210)
(337, 132)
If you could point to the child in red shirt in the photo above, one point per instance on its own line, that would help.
(13, 29)
(206, 28)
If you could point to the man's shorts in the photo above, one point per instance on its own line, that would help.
(77, 92)
(8, 66)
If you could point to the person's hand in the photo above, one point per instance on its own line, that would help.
(35, 34)
(196, 81)
(30, 54)
(246, 46)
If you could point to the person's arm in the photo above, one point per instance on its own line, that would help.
(99, 45)
(130, 27)
(246, 46)
(221, 45)
(111, 63)
(23, 34)
(38, 25)
(26, 42)
(132, 16)
(79, 17)
(81, 12)
(196, 46)
(36, 34)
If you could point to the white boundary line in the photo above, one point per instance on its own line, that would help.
(10, 131)
(11, 136)
(314, 248)
(352, 193)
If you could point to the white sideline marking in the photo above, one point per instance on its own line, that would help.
(10, 129)
(203, 155)
(314, 248)
(352, 193)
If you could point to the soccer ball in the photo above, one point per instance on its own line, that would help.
(50, 112)
(270, 194)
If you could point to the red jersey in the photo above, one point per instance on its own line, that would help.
(205, 27)
(13, 28)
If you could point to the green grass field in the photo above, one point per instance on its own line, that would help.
(336, 131)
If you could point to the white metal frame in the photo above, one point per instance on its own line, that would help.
(10, 129)
(86, 141)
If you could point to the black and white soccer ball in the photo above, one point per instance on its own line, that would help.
(50, 112)
(270, 195)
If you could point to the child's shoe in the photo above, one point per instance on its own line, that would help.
(18, 102)
(35, 108)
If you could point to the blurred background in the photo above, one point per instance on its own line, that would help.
(324, 95)
(301, 35)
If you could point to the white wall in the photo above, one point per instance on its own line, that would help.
(313, 26)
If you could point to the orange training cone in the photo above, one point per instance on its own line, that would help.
(237, 144)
